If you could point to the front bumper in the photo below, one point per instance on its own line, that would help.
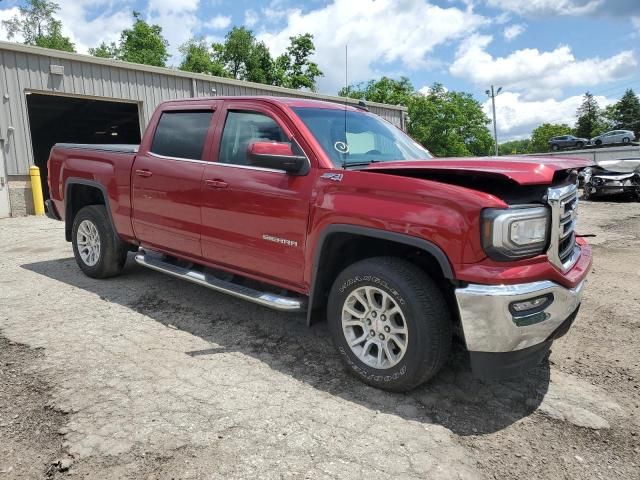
(497, 335)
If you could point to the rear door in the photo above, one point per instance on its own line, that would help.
(166, 180)
(254, 220)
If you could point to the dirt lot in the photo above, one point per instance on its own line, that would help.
(144, 376)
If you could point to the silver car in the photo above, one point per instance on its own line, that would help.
(614, 136)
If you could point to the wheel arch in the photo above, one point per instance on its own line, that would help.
(80, 192)
(326, 266)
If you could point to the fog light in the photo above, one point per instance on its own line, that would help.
(531, 310)
(529, 304)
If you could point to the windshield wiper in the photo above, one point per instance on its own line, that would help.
(360, 164)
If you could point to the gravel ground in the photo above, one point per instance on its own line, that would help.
(145, 376)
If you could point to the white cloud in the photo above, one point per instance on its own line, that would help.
(513, 31)
(548, 7)
(178, 19)
(378, 33)
(516, 116)
(6, 14)
(219, 22)
(537, 74)
(250, 18)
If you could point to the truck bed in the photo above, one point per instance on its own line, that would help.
(102, 147)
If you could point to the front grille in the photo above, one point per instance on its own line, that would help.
(563, 251)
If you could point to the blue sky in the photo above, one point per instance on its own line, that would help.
(544, 53)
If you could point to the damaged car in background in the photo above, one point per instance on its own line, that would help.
(612, 177)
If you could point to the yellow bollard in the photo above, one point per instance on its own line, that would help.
(36, 189)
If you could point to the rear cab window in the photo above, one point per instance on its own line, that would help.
(181, 134)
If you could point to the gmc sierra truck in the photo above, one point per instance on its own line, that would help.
(302, 205)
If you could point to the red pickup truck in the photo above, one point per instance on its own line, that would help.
(303, 205)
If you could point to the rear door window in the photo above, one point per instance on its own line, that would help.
(182, 134)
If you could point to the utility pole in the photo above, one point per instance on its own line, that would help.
(493, 94)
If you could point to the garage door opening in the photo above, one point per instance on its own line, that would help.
(57, 119)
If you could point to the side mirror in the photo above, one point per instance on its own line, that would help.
(278, 156)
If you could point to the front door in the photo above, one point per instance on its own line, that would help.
(254, 219)
(5, 209)
(167, 180)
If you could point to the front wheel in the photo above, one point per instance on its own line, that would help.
(579, 144)
(389, 322)
(555, 147)
(626, 140)
(98, 251)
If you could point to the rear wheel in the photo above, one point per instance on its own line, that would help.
(97, 249)
(626, 140)
(579, 144)
(389, 322)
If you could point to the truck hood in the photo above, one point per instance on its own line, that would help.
(623, 165)
(522, 170)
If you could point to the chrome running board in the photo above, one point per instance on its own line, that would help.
(271, 300)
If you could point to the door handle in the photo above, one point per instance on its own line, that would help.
(144, 173)
(216, 183)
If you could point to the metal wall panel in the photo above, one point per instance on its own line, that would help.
(24, 68)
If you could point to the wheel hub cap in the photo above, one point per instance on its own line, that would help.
(88, 241)
(374, 327)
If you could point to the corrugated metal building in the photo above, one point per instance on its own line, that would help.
(43, 91)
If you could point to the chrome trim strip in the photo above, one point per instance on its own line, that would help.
(277, 302)
(488, 324)
(190, 160)
(249, 167)
(558, 199)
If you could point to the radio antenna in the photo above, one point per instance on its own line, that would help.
(346, 96)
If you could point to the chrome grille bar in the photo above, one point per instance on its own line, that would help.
(563, 251)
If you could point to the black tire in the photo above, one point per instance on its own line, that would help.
(555, 147)
(425, 312)
(113, 252)
(579, 144)
(598, 142)
(626, 140)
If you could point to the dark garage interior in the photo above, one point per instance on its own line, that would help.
(60, 119)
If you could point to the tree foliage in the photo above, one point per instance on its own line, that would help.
(447, 123)
(591, 120)
(142, 43)
(626, 112)
(197, 58)
(515, 147)
(243, 57)
(541, 135)
(36, 24)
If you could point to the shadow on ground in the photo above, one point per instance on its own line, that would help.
(454, 399)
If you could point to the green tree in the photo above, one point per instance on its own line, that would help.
(198, 58)
(590, 118)
(386, 90)
(449, 123)
(37, 26)
(515, 147)
(297, 70)
(541, 135)
(626, 112)
(105, 50)
(142, 43)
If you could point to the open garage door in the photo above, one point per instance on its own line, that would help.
(56, 119)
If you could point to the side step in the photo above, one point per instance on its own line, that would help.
(271, 300)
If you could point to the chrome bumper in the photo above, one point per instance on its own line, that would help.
(490, 326)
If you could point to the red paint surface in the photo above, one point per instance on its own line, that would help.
(218, 214)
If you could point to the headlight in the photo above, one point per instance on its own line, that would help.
(514, 233)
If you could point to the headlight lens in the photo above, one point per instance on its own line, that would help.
(514, 233)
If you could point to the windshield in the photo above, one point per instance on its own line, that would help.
(359, 137)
